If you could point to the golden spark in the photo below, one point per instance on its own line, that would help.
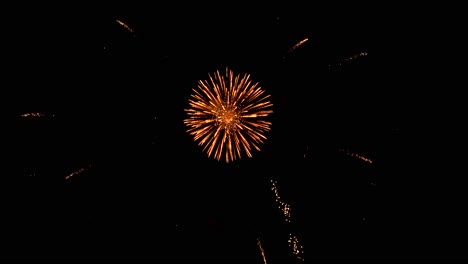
(227, 115)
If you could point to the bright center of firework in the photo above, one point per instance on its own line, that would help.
(228, 118)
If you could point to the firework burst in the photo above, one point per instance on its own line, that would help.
(227, 115)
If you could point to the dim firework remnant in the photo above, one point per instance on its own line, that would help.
(227, 115)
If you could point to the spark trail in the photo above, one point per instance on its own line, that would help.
(127, 27)
(261, 250)
(76, 172)
(284, 207)
(293, 241)
(348, 59)
(33, 114)
(352, 154)
(297, 45)
(296, 247)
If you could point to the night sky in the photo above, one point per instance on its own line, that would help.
(99, 165)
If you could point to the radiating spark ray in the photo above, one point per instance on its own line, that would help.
(261, 250)
(127, 27)
(225, 115)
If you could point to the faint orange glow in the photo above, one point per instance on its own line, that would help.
(76, 172)
(227, 115)
(357, 156)
(261, 250)
(127, 27)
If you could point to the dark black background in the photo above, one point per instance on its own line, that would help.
(150, 193)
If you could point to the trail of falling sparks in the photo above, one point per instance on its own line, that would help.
(356, 156)
(297, 45)
(127, 27)
(261, 250)
(297, 248)
(34, 114)
(345, 60)
(286, 208)
(76, 172)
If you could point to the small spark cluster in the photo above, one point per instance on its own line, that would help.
(297, 248)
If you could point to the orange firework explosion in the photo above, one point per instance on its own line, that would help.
(226, 115)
